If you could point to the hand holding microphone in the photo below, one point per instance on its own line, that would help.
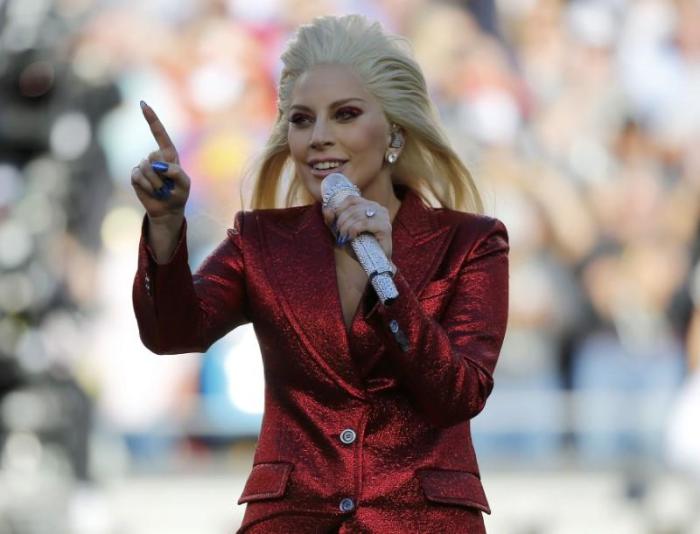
(372, 248)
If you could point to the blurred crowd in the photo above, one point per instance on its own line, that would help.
(579, 120)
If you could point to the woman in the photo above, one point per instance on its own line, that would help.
(367, 406)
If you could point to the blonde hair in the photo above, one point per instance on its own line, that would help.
(427, 164)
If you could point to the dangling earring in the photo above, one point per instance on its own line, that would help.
(395, 142)
(396, 137)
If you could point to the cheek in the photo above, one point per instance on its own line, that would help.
(370, 140)
(296, 144)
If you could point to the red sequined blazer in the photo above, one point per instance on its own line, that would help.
(372, 425)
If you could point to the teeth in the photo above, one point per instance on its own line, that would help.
(322, 166)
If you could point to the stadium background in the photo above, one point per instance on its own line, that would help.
(580, 121)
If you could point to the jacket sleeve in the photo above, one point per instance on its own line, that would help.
(179, 312)
(447, 367)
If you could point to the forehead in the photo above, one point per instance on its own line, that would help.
(323, 84)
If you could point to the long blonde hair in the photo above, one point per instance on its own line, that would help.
(427, 164)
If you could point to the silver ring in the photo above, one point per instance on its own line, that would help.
(370, 212)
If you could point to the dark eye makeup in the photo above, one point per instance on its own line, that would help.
(299, 118)
(348, 112)
(344, 114)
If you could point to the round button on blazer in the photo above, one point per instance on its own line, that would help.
(368, 427)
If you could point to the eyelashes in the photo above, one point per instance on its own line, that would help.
(348, 113)
(299, 119)
(343, 114)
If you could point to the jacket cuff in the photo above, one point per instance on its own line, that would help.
(153, 294)
(177, 254)
(395, 317)
(155, 274)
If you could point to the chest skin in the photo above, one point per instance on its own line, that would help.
(352, 280)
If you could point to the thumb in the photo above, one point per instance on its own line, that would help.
(162, 167)
(170, 173)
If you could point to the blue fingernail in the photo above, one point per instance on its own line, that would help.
(162, 193)
(159, 166)
(169, 183)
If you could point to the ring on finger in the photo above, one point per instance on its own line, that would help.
(369, 212)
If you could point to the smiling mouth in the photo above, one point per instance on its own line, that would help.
(327, 165)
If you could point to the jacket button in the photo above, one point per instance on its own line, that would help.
(394, 326)
(347, 436)
(347, 505)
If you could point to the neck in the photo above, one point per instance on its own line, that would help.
(382, 192)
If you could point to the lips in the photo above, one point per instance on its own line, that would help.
(321, 173)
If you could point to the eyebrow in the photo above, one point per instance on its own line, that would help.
(333, 105)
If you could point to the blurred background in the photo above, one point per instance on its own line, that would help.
(580, 121)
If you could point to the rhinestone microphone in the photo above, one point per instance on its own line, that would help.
(334, 189)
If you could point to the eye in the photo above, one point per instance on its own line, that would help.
(348, 113)
(300, 119)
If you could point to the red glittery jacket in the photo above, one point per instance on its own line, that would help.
(372, 426)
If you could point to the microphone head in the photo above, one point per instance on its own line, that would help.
(335, 187)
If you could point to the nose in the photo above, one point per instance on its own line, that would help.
(321, 135)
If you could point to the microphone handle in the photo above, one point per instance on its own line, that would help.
(335, 188)
(375, 263)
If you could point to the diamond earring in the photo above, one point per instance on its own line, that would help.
(391, 158)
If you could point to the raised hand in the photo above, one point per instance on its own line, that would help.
(158, 180)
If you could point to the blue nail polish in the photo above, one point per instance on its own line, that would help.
(162, 193)
(169, 183)
(159, 166)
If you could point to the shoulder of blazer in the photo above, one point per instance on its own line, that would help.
(473, 233)
(474, 224)
(286, 219)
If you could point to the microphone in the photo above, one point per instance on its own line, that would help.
(334, 189)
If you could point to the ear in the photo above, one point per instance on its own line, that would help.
(395, 145)
(397, 138)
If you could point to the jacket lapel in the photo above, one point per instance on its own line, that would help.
(300, 265)
(420, 240)
(299, 250)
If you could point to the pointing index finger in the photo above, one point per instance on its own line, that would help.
(157, 129)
